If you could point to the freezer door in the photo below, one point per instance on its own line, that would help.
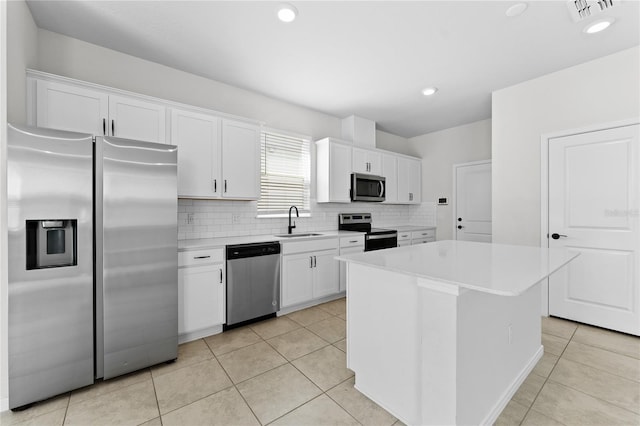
(139, 285)
(50, 312)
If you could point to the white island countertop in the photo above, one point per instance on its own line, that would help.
(500, 269)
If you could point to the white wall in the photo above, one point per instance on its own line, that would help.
(20, 42)
(391, 142)
(22, 52)
(600, 91)
(62, 55)
(440, 151)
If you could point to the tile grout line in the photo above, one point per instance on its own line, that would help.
(546, 379)
(155, 393)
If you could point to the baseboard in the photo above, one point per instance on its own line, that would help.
(314, 302)
(4, 404)
(195, 335)
(390, 411)
(513, 388)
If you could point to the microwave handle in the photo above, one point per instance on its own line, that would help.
(381, 188)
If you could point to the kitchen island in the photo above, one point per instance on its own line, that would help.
(445, 332)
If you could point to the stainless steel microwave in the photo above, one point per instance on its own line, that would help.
(367, 187)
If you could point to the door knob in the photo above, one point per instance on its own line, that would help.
(460, 226)
(557, 236)
(459, 219)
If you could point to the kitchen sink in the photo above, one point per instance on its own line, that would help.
(297, 235)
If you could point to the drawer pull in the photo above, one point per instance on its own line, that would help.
(353, 241)
(202, 257)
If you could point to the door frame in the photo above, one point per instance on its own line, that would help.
(454, 197)
(545, 139)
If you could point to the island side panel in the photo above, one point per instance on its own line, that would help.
(493, 360)
(438, 310)
(383, 338)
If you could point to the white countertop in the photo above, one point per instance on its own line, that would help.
(206, 243)
(409, 228)
(500, 269)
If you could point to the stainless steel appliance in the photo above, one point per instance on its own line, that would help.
(253, 282)
(375, 238)
(367, 187)
(57, 340)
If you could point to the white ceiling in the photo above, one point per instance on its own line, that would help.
(371, 59)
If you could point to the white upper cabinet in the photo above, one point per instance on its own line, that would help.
(217, 157)
(132, 118)
(80, 109)
(241, 160)
(409, 180)
(70, 108)
(198, 139)
(333, 172)
(390, 172)
(367, 161)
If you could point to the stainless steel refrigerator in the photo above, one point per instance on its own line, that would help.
(92, 230)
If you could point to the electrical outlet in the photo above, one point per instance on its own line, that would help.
(235, 218)
(190, 218)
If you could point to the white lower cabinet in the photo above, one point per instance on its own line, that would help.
(349, 245)
(308, 276)
(201, 293)
(423, 236)
(309, 271)
(325, 267)
(297, 279)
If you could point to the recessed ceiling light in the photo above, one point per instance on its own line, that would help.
(429, 91)
(287, 13)
(516, 9)
(597, 26)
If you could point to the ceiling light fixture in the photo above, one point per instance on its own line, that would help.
(429, 91)
(287, 12)
(597, 26)
(516, 9)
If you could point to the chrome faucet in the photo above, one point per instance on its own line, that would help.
(294, 224)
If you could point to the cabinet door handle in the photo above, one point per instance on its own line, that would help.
(220, 276)
(315, 263)
(113, 128)
(225, 185)
(201, 257)
(310, 261)
(215, 185)
(104, 126)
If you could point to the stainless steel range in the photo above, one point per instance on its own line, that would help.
(375, 238)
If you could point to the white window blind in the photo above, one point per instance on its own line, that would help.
(285, 171)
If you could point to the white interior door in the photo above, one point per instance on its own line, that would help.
(594, 194)
(472, 213)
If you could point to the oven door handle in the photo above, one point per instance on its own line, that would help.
(380, 237)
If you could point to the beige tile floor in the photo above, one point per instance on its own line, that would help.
(292, 371)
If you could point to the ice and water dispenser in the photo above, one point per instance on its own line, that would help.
(51, 243)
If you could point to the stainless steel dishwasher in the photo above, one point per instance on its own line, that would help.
(253, 282)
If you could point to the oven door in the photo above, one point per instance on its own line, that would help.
(379, 242)
(367, 187)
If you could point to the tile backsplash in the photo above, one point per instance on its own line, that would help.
(213, 218)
